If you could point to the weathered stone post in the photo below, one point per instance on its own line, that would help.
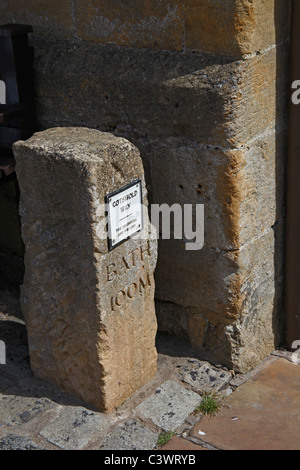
(88, 304)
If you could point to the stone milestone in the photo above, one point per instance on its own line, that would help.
(88, 305)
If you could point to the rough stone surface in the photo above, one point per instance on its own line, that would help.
(73, 428)
(149, 24)
(147, 94)
(14, 442)
(79, 336)
(246, 26)
(203, 98)
(16, 410)
(203, 377)
(51, 19)
(130, 435)
(169, 406)
(244, 243)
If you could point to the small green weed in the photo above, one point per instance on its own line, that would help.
(165, 437)
(211, 404)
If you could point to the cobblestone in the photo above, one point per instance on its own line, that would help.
(35, 414)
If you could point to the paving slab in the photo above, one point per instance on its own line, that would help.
(131, 435)
(203, 376)
(15, 442)
(261, 414)
(73, 428)
(18, 410)
(169, 406)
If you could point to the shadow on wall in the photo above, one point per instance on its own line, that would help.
(281, 149)
(18, 121)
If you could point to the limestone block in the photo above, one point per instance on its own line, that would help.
(242, 321)
(89, 312)
(151, 24)
(260, 101)
(262, 178)
(243, 196)
(194, 278)
(49, 19)
(141, 93)
(235, 27)
(158, 95)
(232, 28)
(260, 324)
(194, 179)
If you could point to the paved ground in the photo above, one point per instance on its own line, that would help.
(260, 410)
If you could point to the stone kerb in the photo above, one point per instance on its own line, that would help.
(88, 307)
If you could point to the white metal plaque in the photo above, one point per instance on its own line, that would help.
(125, 213)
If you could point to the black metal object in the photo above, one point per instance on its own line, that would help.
(17, 114)
(292, 332)
(17, 121)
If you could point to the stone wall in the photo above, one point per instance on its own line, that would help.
(200, 87)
